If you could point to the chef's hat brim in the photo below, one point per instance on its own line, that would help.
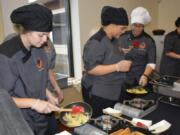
(137, 19)
(140, 15)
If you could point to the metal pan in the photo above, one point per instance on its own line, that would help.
(72, 120)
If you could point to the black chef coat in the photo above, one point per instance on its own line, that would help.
(24, 74)
(100, 50)
(142, 53)
(171, 66)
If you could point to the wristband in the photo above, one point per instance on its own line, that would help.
(146, 76)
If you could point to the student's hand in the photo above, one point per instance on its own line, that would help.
(143, 80)
(123, 66)
(42, 106)
(53, 99)
(59, 94)
(127, 50)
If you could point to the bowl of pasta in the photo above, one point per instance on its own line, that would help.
(75, 119)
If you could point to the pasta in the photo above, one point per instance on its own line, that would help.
(137, 91)
(75, 119)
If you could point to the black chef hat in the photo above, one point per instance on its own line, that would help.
(177, 22)
(33, 17)
(112, 15)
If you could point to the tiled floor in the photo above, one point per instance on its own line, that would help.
(71, 94)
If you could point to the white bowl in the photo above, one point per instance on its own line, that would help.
(160, 127)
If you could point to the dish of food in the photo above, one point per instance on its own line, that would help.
(126, 131)
(137, 91)
(75, 119)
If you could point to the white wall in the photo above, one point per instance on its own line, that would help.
(7, 7)
(90, 11)
(1, 25)
(76, 38)
(169, 10)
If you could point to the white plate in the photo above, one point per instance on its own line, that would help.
(64, 133)
(160, 127)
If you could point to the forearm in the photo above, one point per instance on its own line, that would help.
(173, 55)
(48, 93)
(38, 105)
(52, 79)
(56, 87)
(24, 102)
(148, 70)
(144, 77)
(103, 69)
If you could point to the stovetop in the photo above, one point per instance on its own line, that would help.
(110, 124)
(106, 122)
(139, 103)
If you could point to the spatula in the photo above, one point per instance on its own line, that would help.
(74, 109)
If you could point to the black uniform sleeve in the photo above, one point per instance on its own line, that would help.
(8, 75)
(168, 44)
(93, 54)
(151, 53)
(12, 120)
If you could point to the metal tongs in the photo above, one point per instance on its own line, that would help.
(157, 76)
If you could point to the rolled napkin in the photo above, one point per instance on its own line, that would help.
(112, 111)
(141, 123)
